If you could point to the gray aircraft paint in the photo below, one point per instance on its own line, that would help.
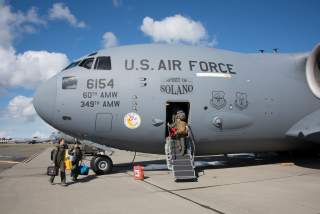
(260, 98)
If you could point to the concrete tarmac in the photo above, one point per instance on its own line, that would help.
(242, 184)
(11, 154)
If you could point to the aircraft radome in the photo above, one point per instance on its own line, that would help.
(124, 97)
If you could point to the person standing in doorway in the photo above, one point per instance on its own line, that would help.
(179, 131)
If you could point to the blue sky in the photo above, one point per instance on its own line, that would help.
(65, 30)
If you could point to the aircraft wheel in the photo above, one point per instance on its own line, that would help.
(101, 165)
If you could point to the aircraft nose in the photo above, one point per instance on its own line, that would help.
(44, 100)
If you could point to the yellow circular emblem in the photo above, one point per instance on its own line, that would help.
(132, 120)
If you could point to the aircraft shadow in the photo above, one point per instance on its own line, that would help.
(232, 161)
(244, 160)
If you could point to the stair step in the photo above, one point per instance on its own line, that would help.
(181, 162)
(183, 168)
(188, 174)
(186, 157)
(182, 159)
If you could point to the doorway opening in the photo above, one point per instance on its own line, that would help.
(172, 108)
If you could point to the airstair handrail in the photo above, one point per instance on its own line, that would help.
(193, 143)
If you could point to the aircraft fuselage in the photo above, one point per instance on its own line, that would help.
(237, 102)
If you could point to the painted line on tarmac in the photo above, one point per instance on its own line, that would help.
(31, 158)
(14, 162)
(185, 198)
(5, 156)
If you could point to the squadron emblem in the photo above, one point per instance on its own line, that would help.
(241, 101)
(218, 101)
(132, 120)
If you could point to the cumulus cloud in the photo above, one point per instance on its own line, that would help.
(12, 23)
(3, 134)
(31, 67)
(23, 70)
(39, 134)
(116, 3)
(109, 40)
(60, 11)
(176, 29)
(21, 107)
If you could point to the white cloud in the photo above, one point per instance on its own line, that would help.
(21, 107)
(176, 29)
(109, 40)
(32, 17)
(59, 11)
(16, 128)
(3, 134)
(29, 68)
(23, 70)
(116, 3)
(39, 134)
(12, 23)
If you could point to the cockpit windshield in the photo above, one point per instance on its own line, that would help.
(87, 63)
(73, 64)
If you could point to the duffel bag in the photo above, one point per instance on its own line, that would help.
(52, 171)
(83, 169)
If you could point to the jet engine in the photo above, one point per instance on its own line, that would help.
(313, 71)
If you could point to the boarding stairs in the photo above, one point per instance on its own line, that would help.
(181, 163)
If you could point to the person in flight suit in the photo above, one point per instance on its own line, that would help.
(77, 157)
(58, 160)
(179, 131)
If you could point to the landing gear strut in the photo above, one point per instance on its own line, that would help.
(101, 164)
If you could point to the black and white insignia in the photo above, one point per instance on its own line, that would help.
(241, 101)
(218, 101)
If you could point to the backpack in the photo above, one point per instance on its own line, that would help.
(181, 127)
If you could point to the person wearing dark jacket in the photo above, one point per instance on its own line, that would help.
(58, 160)
(76, 154)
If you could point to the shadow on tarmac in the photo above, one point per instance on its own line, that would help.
(83, 179)
(307, 160)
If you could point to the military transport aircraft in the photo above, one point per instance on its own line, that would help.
(33, 140)
(124, 97)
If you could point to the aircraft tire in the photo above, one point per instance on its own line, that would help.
(101, 165)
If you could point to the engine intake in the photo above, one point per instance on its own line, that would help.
(313, 71)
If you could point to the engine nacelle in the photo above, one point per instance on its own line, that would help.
(313, 71)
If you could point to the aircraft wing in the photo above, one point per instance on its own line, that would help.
(308, 128)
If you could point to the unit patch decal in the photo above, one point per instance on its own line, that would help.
(241, 101)
(132, 120)
(218, 100)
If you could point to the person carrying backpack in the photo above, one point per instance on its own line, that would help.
(76, 155)
(180, 131)
(58, 157)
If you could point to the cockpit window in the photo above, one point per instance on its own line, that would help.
(103, 63)
(73, 64)
(87, 63)
(69, 82)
